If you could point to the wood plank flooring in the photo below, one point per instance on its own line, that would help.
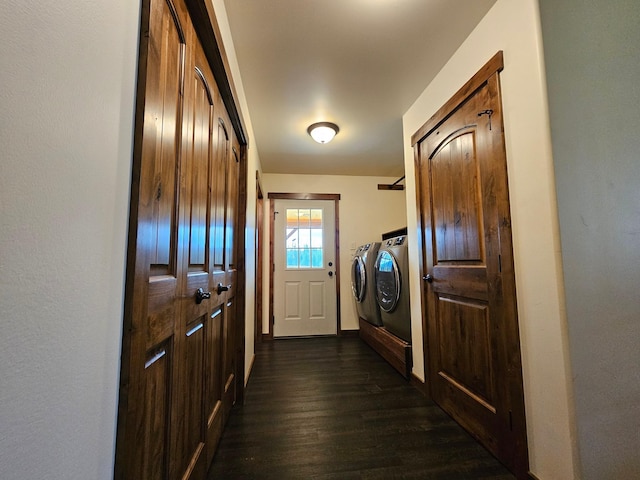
(332, 408)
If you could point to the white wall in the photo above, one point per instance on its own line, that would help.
(592, 53)
(253, 166)
(67, 101)
(66, 117)
(365, 213)
(513, 26)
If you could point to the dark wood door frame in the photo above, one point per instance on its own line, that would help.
(259, 239)
(303, 196)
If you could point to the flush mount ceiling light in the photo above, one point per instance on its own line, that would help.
(323, 132)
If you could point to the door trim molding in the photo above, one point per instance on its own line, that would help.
(259, 238)
(206, 26)
(303, 196)
(495, 64)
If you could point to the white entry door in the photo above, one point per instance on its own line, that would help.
(304, 290)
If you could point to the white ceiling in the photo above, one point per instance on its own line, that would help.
(357, 63)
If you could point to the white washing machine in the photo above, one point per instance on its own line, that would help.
(392, 286)
(363, 284)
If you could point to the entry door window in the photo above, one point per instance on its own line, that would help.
(304, 238)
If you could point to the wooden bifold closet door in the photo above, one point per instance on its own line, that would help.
(179, 368)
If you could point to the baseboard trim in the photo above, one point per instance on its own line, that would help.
(266, 337)
(419, 385)
(350, 333)
(247, 374)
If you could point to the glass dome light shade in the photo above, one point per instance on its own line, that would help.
(323, 132)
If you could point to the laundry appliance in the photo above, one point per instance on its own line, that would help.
(363, 284)
(392, 286)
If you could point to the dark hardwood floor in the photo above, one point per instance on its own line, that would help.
(332, 408)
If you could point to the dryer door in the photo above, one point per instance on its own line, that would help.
(387, 281)
(358, 279)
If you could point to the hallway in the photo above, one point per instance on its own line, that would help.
(332, 408)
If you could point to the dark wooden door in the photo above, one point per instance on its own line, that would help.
(473, 351)
(176, 371)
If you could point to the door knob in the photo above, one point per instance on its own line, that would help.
(222, 288)
(202, 295)
(428, 278)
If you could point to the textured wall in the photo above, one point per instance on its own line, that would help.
(253, 165)
(66, 113)
(592, 52)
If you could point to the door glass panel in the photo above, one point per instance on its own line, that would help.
(292, 258)
(316, 238)
(305, 258)
(316, 258)
(304, 218)
(304, 238)
(292, 238)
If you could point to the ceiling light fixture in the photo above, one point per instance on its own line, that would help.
(323, 132)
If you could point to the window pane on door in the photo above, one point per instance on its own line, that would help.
(292, 258)
(316, 258)
(292, 238)
(316, 238)
(304, 238)
(305, 258)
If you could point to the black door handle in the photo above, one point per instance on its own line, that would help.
(222, 288)
(428, 278)
(202, 295)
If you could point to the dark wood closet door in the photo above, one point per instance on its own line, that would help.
(197, 327)
(231, 329)
(179, 326)
(150, 343)
(471, 323)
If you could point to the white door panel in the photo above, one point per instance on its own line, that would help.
(304, 292)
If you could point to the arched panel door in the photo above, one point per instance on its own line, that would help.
(473, 349)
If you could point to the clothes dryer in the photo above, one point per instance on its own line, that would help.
(363, 284)
(392, 286)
